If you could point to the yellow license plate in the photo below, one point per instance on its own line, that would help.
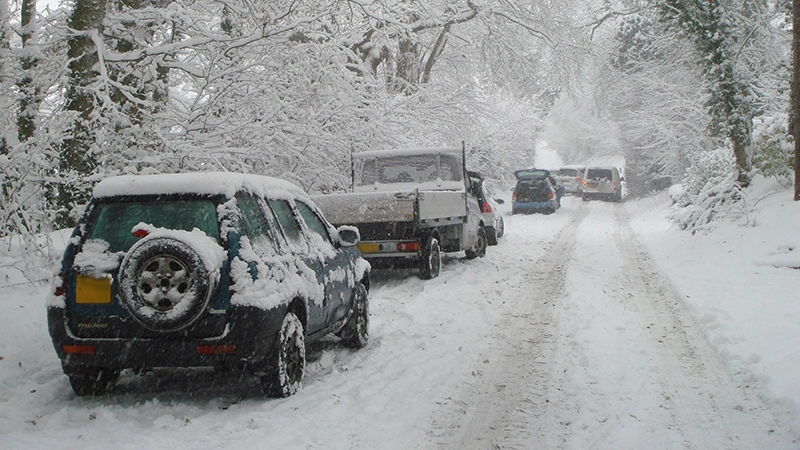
(368, 248)
(92, 291)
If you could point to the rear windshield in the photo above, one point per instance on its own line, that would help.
(568, 172)
(599, 174)
(112, 222)
(410, 169)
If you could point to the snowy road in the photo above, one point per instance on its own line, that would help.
(603, 356)
(565, 336)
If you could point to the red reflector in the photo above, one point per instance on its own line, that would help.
(486, 207)
(407, 246)
(140, 233)
(78, 349)
(216, 349)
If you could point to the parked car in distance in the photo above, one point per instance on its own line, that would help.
(230, 271)
(602, 182)
(492, 217)
(571, 177)
(534, 192)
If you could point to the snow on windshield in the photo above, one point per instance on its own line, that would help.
(211, 253)
(409, 167)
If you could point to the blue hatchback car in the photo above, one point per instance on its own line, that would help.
(535, 192)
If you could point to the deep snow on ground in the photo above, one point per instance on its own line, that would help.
(553, 340)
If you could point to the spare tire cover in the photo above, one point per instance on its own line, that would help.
(164, 283)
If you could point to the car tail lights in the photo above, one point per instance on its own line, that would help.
(61, 286)
(407, 246)
(78, 349)
(549, 194)
(486, 207)
(216, 349)
(514, 196)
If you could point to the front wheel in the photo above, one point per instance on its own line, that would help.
(480, 246)
(431, 260)
(287, 364)
(355, 333)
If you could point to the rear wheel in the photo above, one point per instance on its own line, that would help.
(480, 246)
(431, 260)
(92, 381)
(287, 364)
(355, 333)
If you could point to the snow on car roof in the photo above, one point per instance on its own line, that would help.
(201, 183)
(408, 151)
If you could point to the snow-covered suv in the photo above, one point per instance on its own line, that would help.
(218, 270)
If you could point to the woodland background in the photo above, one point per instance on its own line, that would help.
(690, 92)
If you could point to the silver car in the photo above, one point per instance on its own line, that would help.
(602, 182)
(492, 217)
(571, 177)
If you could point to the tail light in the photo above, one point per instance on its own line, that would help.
(216, 349)
(61, 285)
(486, 207)
(578, 179)
(549, 194)
(514, 196)
(407, 246)
(79, 349)
(584, 182)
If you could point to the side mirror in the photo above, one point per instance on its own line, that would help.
(349, 236)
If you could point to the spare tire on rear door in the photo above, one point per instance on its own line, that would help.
(164, 283)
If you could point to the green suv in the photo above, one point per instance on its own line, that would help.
(218, 270)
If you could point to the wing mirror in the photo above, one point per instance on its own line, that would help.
(349, 236)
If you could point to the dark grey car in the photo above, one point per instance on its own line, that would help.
(215, 270)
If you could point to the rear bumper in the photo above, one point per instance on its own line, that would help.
(246, 341)
(531, 207)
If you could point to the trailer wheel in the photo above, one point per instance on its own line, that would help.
(431, 261)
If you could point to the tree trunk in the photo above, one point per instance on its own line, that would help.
(796, 94)
(29, 92)
(76, 159)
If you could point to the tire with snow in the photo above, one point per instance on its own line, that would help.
(92, 381)
(285, 367)
(480, 246)
(164, 283)
(430, 264)
(501, 227)
(491, 235)
(355, 333)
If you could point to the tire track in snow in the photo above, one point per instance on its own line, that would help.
(495, 411)
(631, 369)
